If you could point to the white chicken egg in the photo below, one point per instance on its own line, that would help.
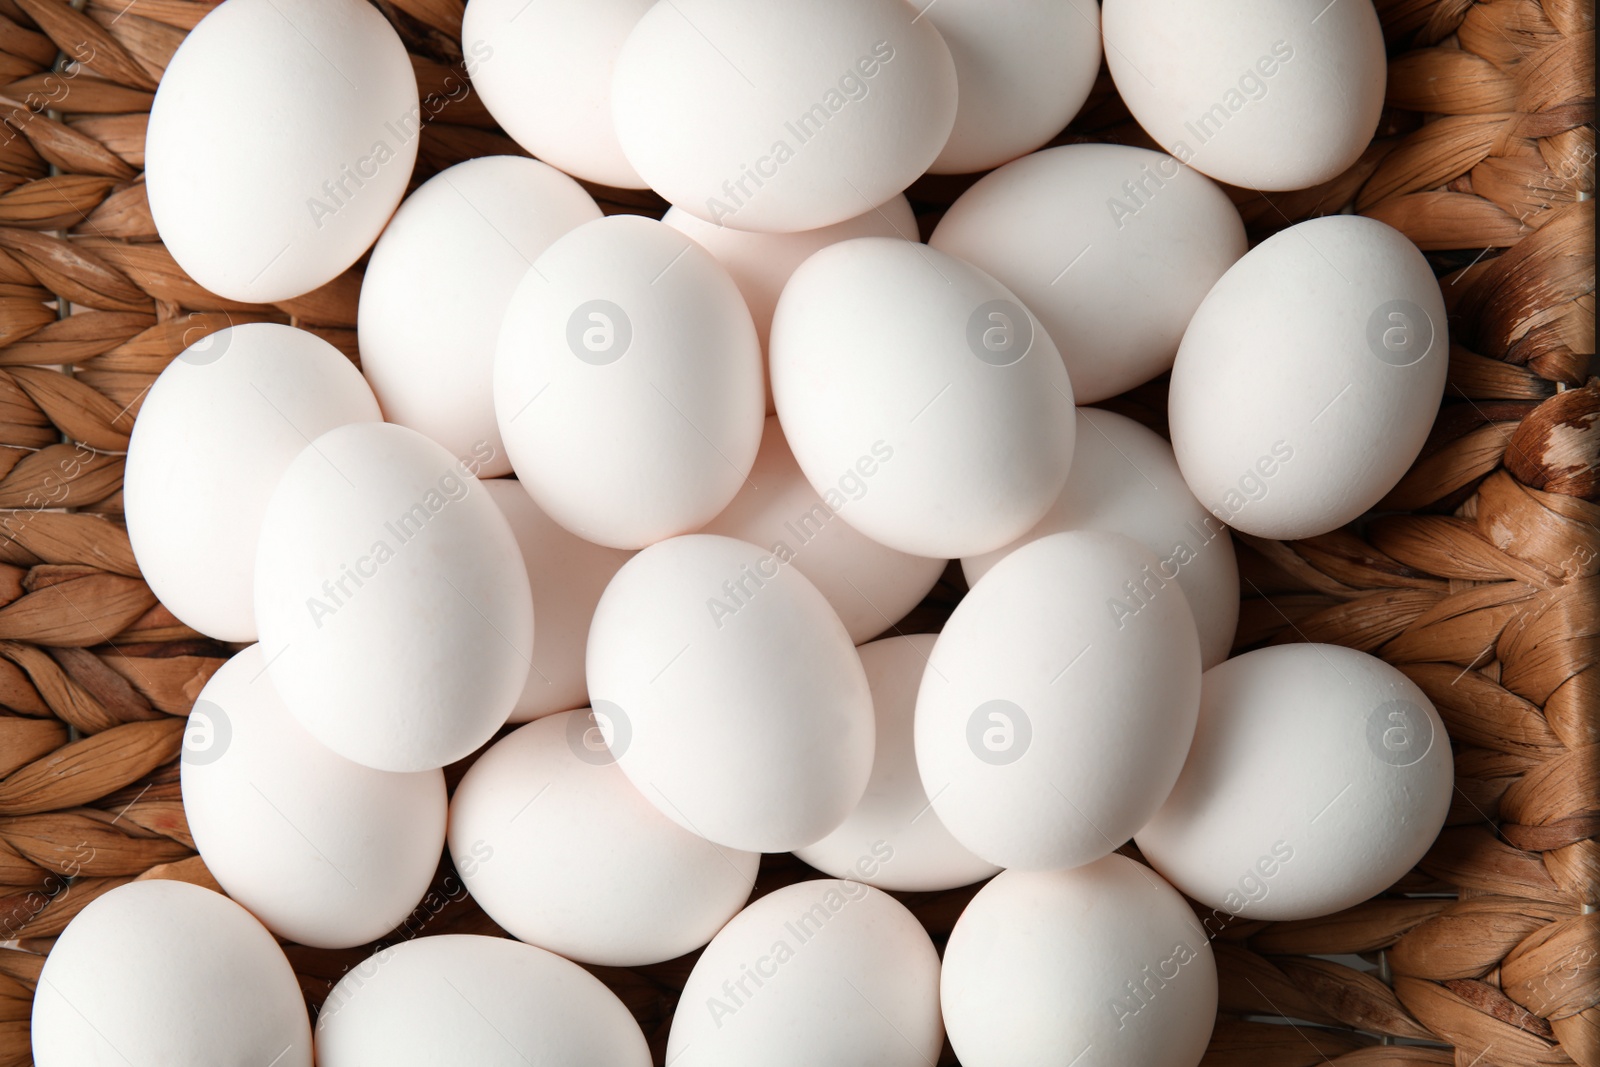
(543, 69)
(825, 971)
(903, 367)
(568, 855)
(391, 599)
(893, 839)
(264, 187)
(566, 576)
(627, 383)
(738, 703)
(325, 852)
(1318, 776)
(470, 999)
(1309, 377)
(1024, 68)
(1059, 701)
(1124, 480)
(1265, 94)
(1111, 247)
(871, 586)
(437, 285)
(215, 433)
(158, 971)
(760, 263)
(782, 117)
(1103, 965)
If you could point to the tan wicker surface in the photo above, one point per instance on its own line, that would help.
(1479, 579)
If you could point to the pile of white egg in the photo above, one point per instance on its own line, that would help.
(746, 440)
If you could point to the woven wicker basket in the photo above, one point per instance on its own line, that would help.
(1478, 578)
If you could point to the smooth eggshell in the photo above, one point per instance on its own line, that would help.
(1024, 68)
(1309, 378)
(817, 972)
(627, 383)
(166, 972)
(391, 599)
(1124, 480)
(1111, 247)
(903, 367)
(325, 852)
(466, 998)
(746, 714)
(264, 186)
(894, 840)
(1059, 701)
(1318, 776)
(1266, 94)
(543, 69)
(871, 586)
(437, 285)
(562, 851)
(566, 576)
(760, 263)
(214, 434)
(784, 117)
(1105, 963)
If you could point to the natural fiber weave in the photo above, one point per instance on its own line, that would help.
(1478, 578)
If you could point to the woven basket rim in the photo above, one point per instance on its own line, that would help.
(1478, 576)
